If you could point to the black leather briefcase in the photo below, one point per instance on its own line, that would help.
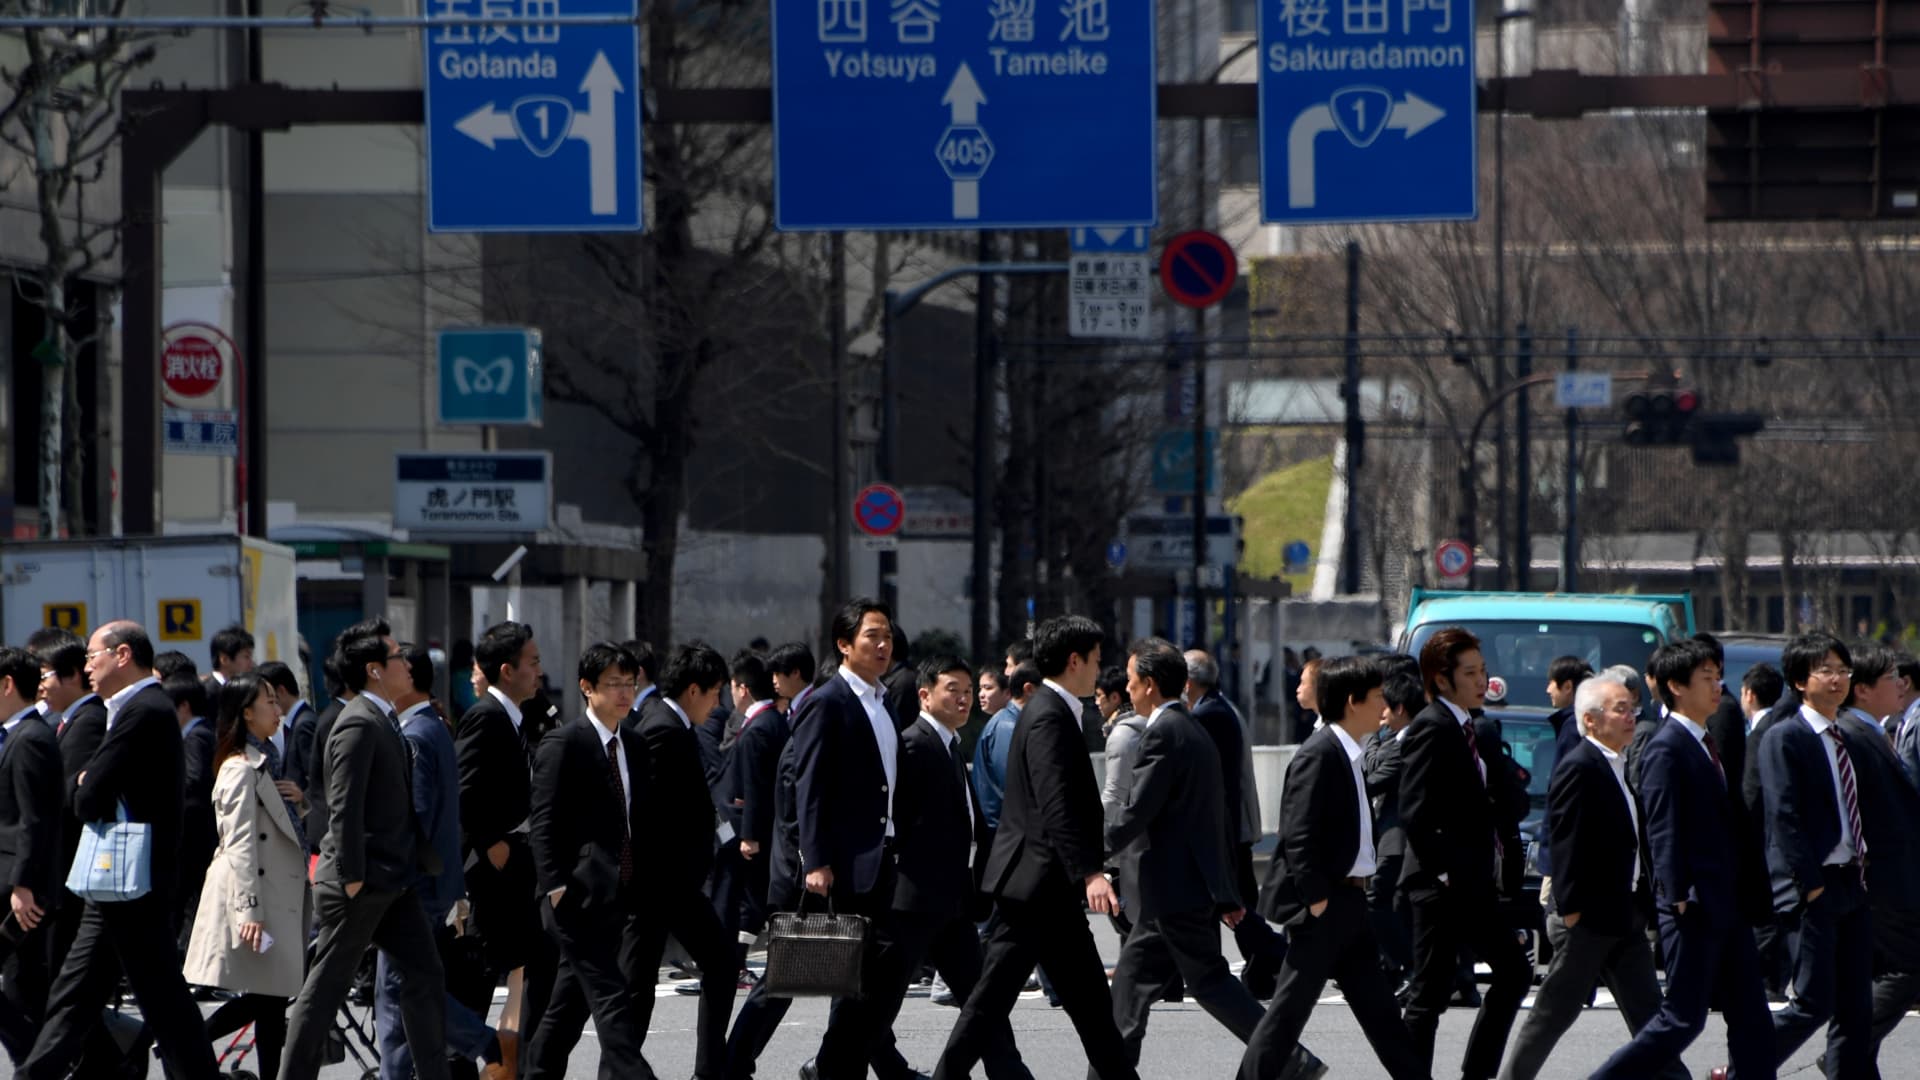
(815, 955)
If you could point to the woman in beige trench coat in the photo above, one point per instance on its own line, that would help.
(250, 930)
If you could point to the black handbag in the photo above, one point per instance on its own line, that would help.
(815, 955)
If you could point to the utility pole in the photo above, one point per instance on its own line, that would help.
(984, 458)
(1356, 429)
(837, 362)
(1570, 541)
(1523, 463)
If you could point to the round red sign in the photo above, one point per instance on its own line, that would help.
(193, 361)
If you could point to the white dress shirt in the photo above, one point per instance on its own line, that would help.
(119, 700)
(678, 711)
(1158, 709)
(84, 698)
(1072, 702)
(1466, 718)
(381, 705)
(948, 739)
(884, 736)
(1365, 860)
(19, 716)
(513, 711)
(1618, 763)
(1843, 852)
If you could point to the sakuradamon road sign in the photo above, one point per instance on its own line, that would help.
(533, 128)
(1367, 111)
(976, 114)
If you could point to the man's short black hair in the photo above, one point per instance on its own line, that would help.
(1020, 650)
(1805, 652)
(793, 658)
(1675, 662)
(24, 669)
(1568, 670)
(933, 667)
(1908, 667)
(174, 662)
(1344, 679)
(846, 621)
(749, 669)
(1022, 679)
(185, 688)
(1404, 691)
(59, 650)
(1112, 680)
(1157, 661)
(695, 664)
(644, 655)
(279, 676)
(1061, 638)
(1402, 664)
(361, 644)
(1765, 683)
(606, 656)
(334, 670)
(419, 667)
(499, 647)
(230, 643)
(1871, 661)
(1711, 642)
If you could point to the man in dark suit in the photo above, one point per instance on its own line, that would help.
(199, 835)
(589, 803)
(940, 828)
(30, 805)
(1170, 843)
(297, 715)
(675, 854)
(1457, 862)
(747, 792)
(1817, 850)
(303, 747)
(79, 719)
(1602, 898)
(1691, 854)
(363, 889)
(496, 778)
(1405, 697)
(1317, 885)
(137, 765)
(1047, 858)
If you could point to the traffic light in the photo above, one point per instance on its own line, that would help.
(1714, 435)
(1661, 416)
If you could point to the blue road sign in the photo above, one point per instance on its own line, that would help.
(974, 114)
(1116, 554)
(533, 128)
(1173, 462)
(1119, 239)
(1367, 111)
(1295, 555)
(490, 375)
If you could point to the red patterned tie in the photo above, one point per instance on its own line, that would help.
(626, 834)
(1852, 793)
(1713, 751)
(1473, 756)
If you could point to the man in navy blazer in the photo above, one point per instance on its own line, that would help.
(748, 781)
(1691, 847)
(30, 866)
(1817, 850)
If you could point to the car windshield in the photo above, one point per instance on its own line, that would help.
(1522, 653)
(1533, 747)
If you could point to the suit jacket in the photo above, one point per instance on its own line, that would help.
(1170, 838)
(901, 688)
(1691, 841)
(711, 731)
(316, 741)
(783, 864)
(1222, 725)
(30, 810)
(841, 787)
(1448, 813)
(1319, 829)
(676, 850)
(1595, 843)
(300, 728)
(1750, 786)
(579, 821)
(1050, 822)
(1381, 763)
(937, 834)
(751, 787)
(1907, 745)
(1803, 811)
(79, 736)
(140, 763)
(199, 832)
(1889, 807)
(1728, 726)
(496, 778)
(436, 803)
(373, 835)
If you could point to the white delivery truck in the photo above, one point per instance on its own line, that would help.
(183, 589)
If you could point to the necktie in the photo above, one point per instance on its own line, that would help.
(1852, 794)
(1473, 751)
(1713, 751)
(626, 833)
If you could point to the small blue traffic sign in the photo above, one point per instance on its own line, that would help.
(1114, 239)
(1295, 555)
(879, 510)
(489, 375)
(1367, 111)
(1116, 555)
(942, 114)
(533, 128)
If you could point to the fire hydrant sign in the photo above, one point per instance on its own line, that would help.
(1109, 295)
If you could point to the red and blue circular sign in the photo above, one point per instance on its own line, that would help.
(1198, 268)
(1453, 558)
(879, 510)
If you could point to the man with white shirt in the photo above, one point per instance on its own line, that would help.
(1817, 851)
(232, 651)
(1601, 898)
(1317, 886)
(31, 795)
(79, 719)
(1170, 841)
(675, 856)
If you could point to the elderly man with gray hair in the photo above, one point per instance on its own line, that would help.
(1602, 898)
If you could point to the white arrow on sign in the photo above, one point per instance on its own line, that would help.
(964, 98)
(595, 128)
(484, 125)
(1410, 116)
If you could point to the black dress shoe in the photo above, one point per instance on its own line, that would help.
(808, 1071)
(1303, 1065)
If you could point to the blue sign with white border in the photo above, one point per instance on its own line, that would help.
(963, 114)
(1367, 111)
(1117, 239)
(533, 128)
(490, 375)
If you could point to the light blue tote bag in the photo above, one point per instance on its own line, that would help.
(115, 860)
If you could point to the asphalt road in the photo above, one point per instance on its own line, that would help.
(1182, 1042)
